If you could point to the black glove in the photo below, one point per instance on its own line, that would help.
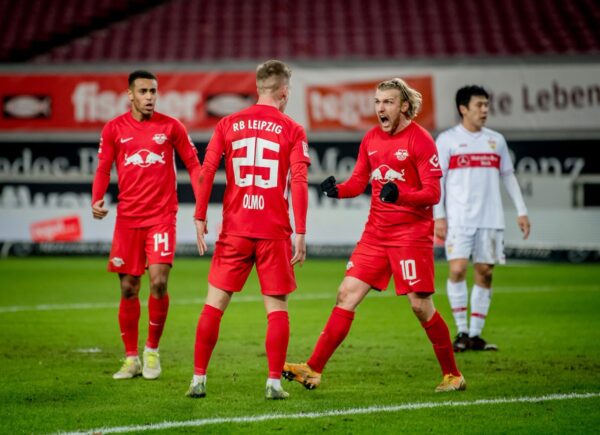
(389, 192)
(329, 188)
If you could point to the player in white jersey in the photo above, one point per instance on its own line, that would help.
(469, 216)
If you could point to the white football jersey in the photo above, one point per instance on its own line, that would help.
(472, 164)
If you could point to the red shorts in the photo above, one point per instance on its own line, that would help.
(133, 249)
(411, 267)
(234, 257)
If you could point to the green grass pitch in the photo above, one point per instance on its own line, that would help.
(59, 345)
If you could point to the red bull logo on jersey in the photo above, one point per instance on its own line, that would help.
(384, 174)
(159, 138)
(144, 158)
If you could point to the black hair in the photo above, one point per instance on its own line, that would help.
(464, 94)
(140, 74)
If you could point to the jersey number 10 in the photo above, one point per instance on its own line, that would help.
(255, 150)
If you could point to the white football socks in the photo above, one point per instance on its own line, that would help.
(199, 379)
(458, 295)
(480, 305)
(275, 383)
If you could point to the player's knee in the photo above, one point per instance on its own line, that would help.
(130, 288)
(346, 298)
(458, 274)
(483, 275)
(420, 310)
(158, 286)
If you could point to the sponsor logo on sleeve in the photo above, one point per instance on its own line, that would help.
(305, 149)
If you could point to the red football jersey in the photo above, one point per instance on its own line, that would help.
(409, 159)
(144, 156)
(262, 148)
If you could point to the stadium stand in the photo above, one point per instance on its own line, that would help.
(210, 30)
(34, 27)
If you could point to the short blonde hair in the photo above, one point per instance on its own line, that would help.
(272, 75)
(408, 94)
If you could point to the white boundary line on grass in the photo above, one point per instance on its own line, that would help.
(331, 413)
(251, 298)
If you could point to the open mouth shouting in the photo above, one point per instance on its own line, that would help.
(385, 122)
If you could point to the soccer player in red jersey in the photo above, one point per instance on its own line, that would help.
(399, 159)
(142, 143)
(266, 159)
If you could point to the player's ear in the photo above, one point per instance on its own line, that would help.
(130, 94)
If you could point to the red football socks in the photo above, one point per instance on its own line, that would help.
(276, 343)
(207, 334)
(157, 313)
(335, 332)
(129, 316)
(438, 334)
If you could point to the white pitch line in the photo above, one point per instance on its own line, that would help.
(332, 413)
(258, 298)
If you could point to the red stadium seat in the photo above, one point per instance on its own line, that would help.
(212, 30)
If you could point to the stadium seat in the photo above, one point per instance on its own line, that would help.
(212, 30)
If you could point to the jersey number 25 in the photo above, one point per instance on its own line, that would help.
(255, 150)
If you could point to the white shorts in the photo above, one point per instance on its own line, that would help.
(484, 245)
